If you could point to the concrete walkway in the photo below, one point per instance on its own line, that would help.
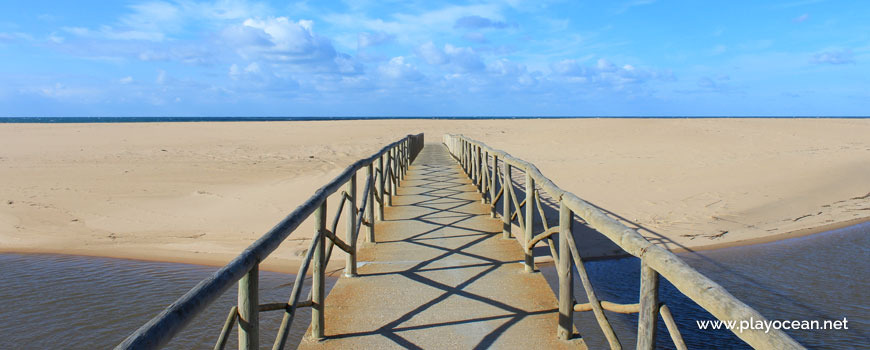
(440, 276)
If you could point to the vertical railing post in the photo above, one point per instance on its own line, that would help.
(462, 154)
(370, 203)
(649, 300)
(465, 155)
(471, 167)
(492, 182)
(566, 274)
(394, 182)
(388, 179)
(506, 198)
(397, 167)
(406, 158)
(529, 222)
(478, 161)
(380, 184)
(475, 174)
(468, 158)
(484, 180)
(400, 150)
(471, 173)
(352, 212)
(249, 318)
(471, 162)
(318, 278)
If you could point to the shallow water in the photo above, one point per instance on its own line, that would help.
(818, 277)
(72, 302)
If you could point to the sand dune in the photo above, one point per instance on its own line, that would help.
(202, 192)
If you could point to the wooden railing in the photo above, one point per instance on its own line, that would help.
(380, 186)
(481, 163)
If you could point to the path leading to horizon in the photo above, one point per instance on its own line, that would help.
(440, 275)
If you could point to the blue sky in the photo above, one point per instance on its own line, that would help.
(423, 58)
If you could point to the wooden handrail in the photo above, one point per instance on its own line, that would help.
(609, 306)
(697, 287)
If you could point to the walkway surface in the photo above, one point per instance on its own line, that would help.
(440, 276)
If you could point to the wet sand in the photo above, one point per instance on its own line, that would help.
(202, 192)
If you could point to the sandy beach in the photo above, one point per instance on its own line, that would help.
(202, 192)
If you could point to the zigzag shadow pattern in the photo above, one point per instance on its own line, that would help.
(440, 275)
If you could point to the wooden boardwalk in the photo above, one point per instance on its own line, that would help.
(443, 274)
(440, 276)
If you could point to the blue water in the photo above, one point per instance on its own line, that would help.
(71, 302)
(818, 277)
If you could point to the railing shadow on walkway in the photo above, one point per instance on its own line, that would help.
(447, 201)
(487, 167)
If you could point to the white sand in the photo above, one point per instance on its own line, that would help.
(202, 192)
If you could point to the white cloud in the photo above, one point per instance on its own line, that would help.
(478, 22)
(126, 80)
(15, 36)
(605, 65)
(398, 69)
(414, 28)
(512, 73)
(365, 39)
(714, 84)
(226, 9)
(256, 79)
(462, 59)
(605, 73)
(801, 18)
(153, 17)
(161, 77)
(61, 91)
(157, 21)
(431, 54)
(57, 39)
(279, 39)
(285, 35)
(235, 71)
(475, 37)
(833, 57)
(111, 33)
(252, 68)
